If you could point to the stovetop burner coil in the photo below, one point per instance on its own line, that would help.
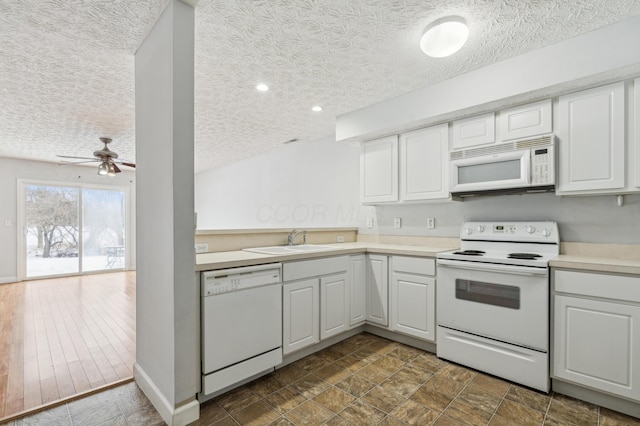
(524, 256)
(470, 252)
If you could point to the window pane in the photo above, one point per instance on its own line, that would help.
(51, 230)
(103, 229)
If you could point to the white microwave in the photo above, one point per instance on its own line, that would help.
(520, 166)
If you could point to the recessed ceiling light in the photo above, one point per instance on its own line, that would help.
(316, 108)
(444, 36)
(262, 87)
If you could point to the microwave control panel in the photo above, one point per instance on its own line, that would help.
(543, 165)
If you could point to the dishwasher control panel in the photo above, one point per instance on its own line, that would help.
(236, 279)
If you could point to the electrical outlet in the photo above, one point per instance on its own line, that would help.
(397, 222)
(369, 222)
(340, 239)
(431, 222)
(202, 248)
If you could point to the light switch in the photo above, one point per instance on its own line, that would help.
(397, 222)
(7, 223)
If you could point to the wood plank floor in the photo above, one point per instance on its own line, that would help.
(62, 337)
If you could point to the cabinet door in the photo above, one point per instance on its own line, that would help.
(591, 129)
(597, 344)
(478, 130)
(424, 173)
(300, 320)
(379, 170)
(412, 305)
(377, 289)
(525, 120)
(357, 289)
(333, 305)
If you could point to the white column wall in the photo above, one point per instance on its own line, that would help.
(167, 317)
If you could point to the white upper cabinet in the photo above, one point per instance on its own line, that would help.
(379, 170)
(424, 173)
(591, 131)
(525, 121)
(478, 130)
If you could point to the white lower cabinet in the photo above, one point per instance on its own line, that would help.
(595, 334)
(333, 305)
(412, 297)
(300, 320)
(377, 290)
(357, 292)
(315, 301)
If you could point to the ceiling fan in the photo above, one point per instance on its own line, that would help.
(108, 160)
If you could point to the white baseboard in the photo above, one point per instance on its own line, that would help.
(8, 280)
(174, 416)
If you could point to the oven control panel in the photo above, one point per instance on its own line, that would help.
(510, 231)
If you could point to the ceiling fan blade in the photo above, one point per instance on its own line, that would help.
(78, 158)
(67, 163)
(126, 163)
(116, 168)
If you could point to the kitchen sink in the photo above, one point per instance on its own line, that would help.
(302, 248)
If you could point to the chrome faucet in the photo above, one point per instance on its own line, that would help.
(293, 234)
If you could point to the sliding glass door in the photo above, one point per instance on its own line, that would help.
(103, 229)
(52, 230)
(72, 230)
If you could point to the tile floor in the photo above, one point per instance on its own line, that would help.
(364, 380)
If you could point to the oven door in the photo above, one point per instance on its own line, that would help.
(489, 172)
(501, 302)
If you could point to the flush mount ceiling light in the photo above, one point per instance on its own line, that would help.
(316, 108)
(444, 36)
(262, 87)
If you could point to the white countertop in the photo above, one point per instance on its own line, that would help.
(597, 264)
(233, 259)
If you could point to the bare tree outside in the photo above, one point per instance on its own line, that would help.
(53, 215)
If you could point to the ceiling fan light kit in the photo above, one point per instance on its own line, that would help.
(105, 157)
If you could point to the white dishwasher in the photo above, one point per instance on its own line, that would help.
(241, 324)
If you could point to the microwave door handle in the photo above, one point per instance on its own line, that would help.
(492, 267)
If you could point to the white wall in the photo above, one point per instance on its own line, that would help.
(12, 169)
(167, 294)
(593, 219)
(300, 185)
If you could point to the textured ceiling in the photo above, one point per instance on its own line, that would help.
(67, 77)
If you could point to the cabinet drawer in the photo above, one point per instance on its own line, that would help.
(292, 271)
(620, 287)
(413, 265)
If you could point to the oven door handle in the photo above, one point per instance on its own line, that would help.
(492, 267)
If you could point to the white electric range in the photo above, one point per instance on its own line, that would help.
(493, 299)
